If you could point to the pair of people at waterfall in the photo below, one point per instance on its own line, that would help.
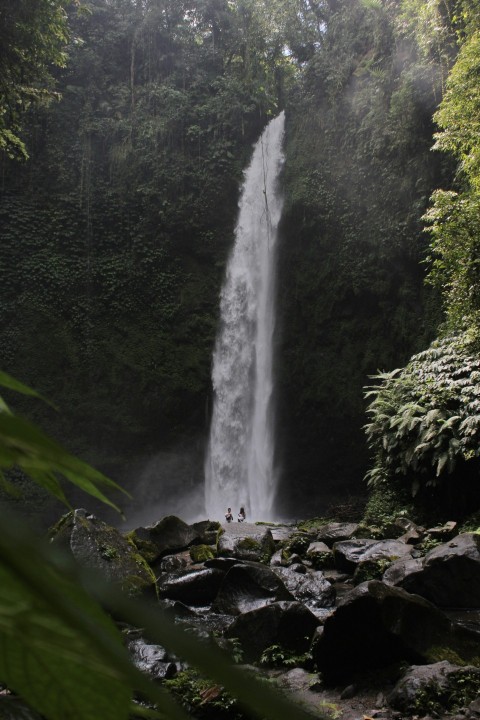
(229, 516)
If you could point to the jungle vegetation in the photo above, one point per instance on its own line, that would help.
(138, 119)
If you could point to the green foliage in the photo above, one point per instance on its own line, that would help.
(201, 553)
(434, 698)
(358, 175)
(55, 636)
(33, 37)
(453, 218)
(278, 656)
(371, 569)
(425, 419)
(23, 446)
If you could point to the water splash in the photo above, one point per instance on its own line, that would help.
(239, 466)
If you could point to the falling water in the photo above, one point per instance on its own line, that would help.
(240, 460)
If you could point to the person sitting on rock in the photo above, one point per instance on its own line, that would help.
(228, 515)
(241, 515)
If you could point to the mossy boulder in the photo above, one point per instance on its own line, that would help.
(376, 625)
(168, 535)
(201, 553)
(435, 689)
(448, 575)
(99, 546)
(287, 624)
(257, 547)
(320, 555)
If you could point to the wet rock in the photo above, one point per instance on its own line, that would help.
(448, 576)
(172, 563)
(312, 589)
(98, 546)
(277, 559)
(320, 555)
(249, 586)
(350, 553)
(167, 536)
(12, 708)
(443, 532)
(223, 564)
(152, 659)
(207, 531)
(439, 687)
(194, 588)
(376, 625)
(288, 624)
(473, 710)
(335, 532)
(258, 547)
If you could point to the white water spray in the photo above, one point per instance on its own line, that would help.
(239, 467)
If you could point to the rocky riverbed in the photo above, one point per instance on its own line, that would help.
(351, 626)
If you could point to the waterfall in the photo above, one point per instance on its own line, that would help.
(239, 469)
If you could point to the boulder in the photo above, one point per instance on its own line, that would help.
(152, 659)
(12, 708)
(350, 553)
(167, 536)
(311, 588)
(277, 559)
(438, 688)
(171, 563)
(194, 588)
(320, 555)
(287, 624)
(336, 532)
(201, 553)
(249, 586)
(207, 531)
(98, 546)
(449, 575)
(376, 624)
(257, 547)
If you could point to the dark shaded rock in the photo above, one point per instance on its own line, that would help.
(474, 709)
(288, 624)
(258, 547)
(350, 553)
(171, 563)
(297, 544)
(98, 546)
(298, 568)
(12, 708)
(336, 532)
(222, 563)
(194, 588)
(400, 569)
(207, 531)
(312, 589)
(176, 609)
(443, 532)
(246, 587)
(168, 536)
(375, 625)
(435, 688)
(152, 659)
(320, 555)
(448, 576)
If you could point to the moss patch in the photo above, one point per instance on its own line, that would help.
(201, 553)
